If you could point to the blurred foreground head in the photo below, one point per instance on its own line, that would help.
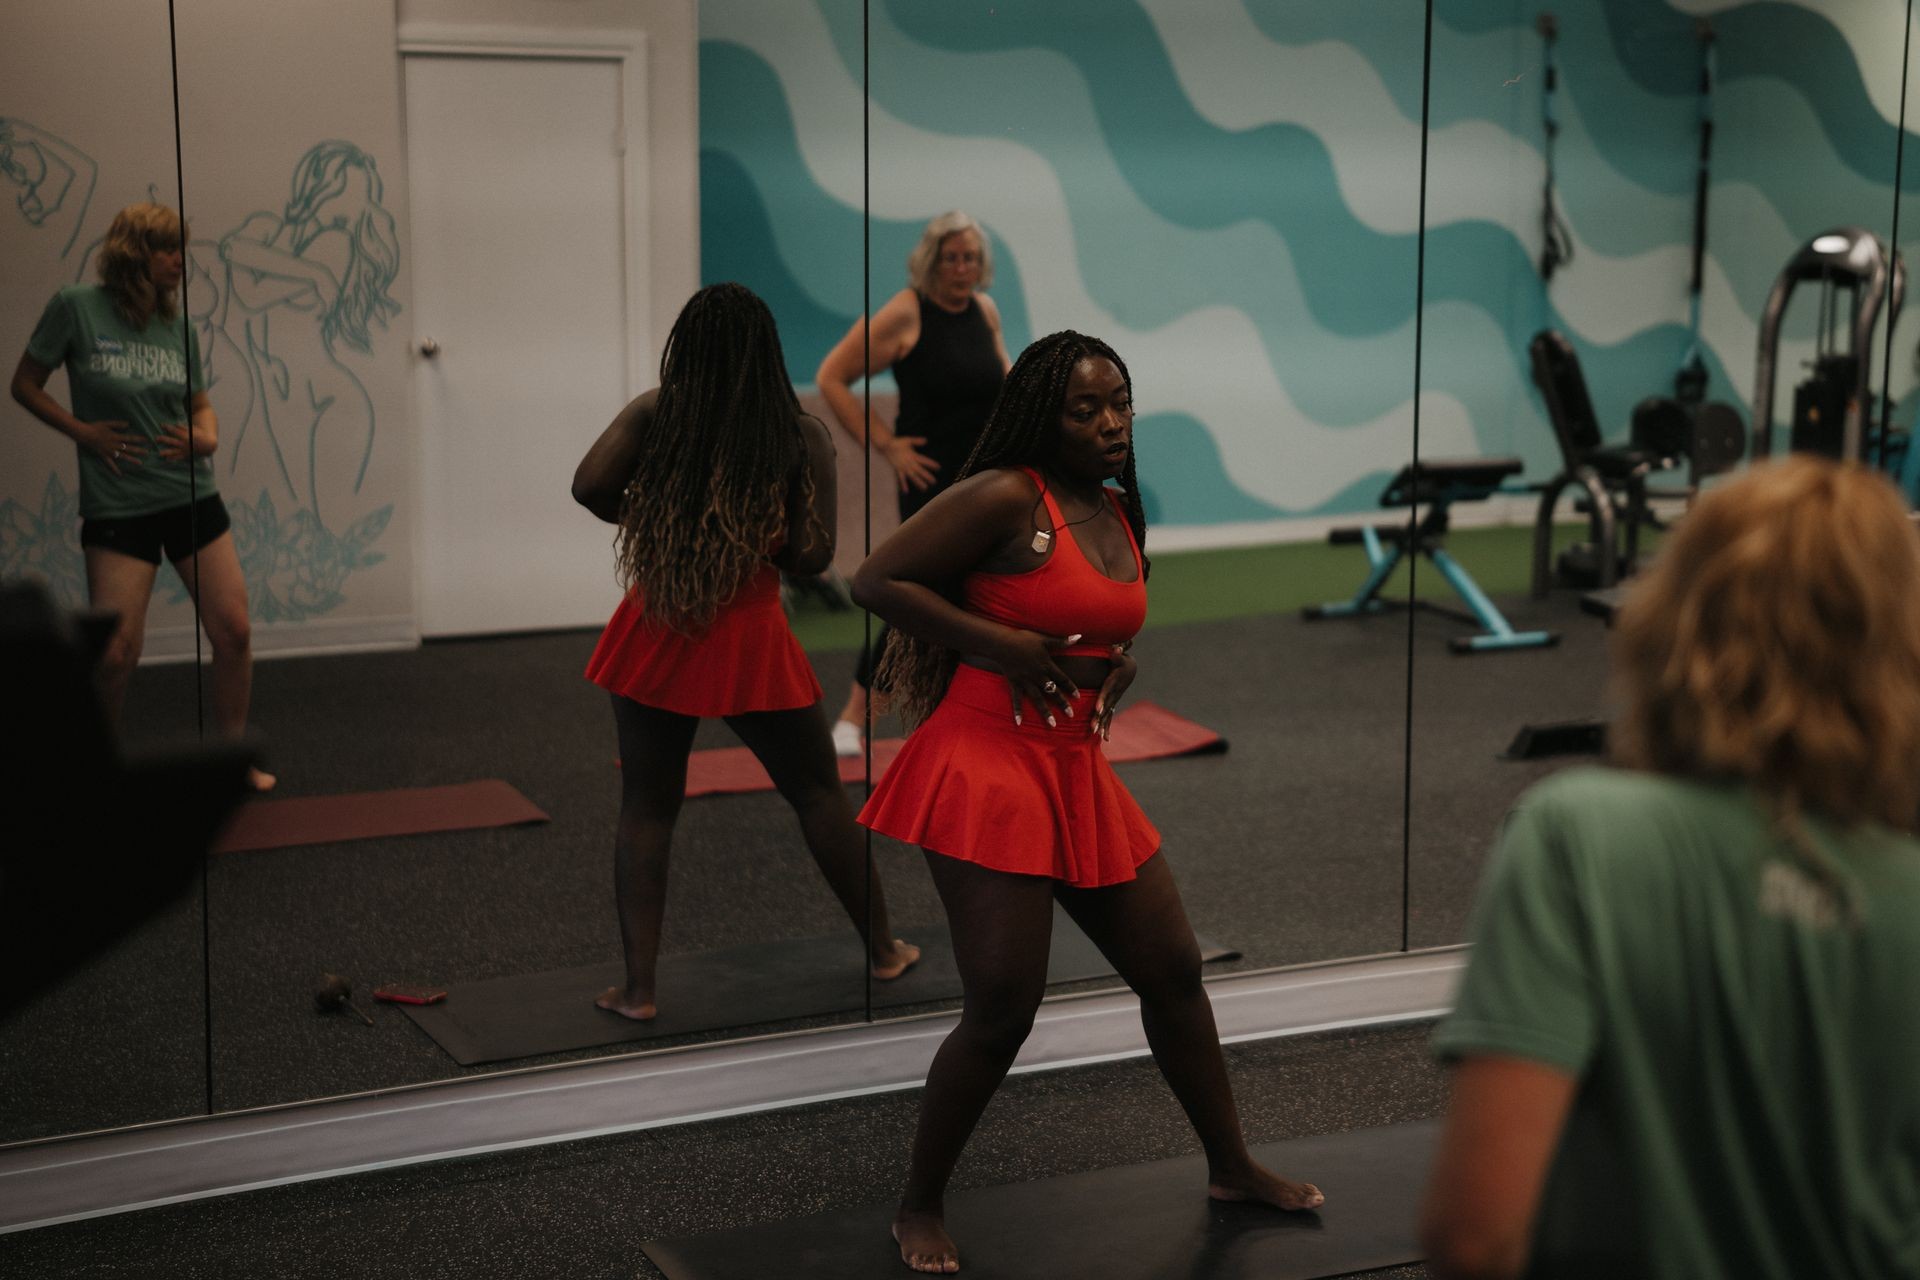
(1776, 641)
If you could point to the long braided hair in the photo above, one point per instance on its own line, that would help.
(708, 498)
(1022, 431)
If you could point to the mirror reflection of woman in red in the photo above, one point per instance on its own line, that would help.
(719, 483)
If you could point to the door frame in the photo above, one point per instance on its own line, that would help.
(628, 49)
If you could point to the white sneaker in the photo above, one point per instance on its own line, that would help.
(846, 738)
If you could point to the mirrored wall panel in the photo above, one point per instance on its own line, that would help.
(1225, 196)
(455, 249)
(105, 1019)
(1652, 229)
(1896, 369)
(476, 409)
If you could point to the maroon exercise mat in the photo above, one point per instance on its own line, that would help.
(268, 823)
(1143, 731)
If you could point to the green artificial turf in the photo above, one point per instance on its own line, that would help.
(1241, 582)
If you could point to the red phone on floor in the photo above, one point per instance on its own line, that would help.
(402, 993)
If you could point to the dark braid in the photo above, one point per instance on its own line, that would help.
(1022, 431)
(709, 495)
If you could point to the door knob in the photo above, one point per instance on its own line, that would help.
(429, 348)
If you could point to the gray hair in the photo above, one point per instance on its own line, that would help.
(925, 256)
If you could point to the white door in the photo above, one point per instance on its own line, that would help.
(520, 331)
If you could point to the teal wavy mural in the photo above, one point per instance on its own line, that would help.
(766, 223)
(1229, 191)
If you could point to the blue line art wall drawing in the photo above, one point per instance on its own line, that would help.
(299, 285)
(281, 301)
(55, 178)
(43, 542)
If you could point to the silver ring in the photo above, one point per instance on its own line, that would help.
(1049, 687)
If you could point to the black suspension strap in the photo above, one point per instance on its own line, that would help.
(1556, 237)
(1690, 383)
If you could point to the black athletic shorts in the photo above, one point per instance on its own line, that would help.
(179, 531)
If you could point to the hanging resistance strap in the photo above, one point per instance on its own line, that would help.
(1690, 382)
(1556, 238)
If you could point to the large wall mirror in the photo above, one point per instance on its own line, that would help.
(121, 1039)
(1228, 197)
(435, 248)
(1616, 190)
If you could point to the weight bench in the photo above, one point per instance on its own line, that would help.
(1435, 484)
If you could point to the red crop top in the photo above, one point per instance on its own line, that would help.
(1064, 595)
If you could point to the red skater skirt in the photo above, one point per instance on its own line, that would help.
(746, 661)
(1026, 798)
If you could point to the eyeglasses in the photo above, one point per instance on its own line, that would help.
(958, 257)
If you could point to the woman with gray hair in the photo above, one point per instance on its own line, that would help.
(941, 338)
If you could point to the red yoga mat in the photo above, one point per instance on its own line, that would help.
(1143, 731)
(267, 823)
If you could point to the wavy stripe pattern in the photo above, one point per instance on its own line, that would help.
(1227, 191)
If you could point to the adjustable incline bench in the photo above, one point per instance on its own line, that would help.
(1436, 483)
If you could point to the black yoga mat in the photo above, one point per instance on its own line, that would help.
(1142, 1221)
(553, 1012)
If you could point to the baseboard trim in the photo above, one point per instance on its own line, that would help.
(294, 639)
(63, 1180)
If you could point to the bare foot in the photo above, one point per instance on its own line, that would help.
(616, 1000)
(1266, 1187)
(925, 1244)
(260, 779)
(899, 958)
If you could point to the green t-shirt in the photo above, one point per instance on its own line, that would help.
(1749, 1063)
(118, 373)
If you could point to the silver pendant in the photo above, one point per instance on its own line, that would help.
(1042, 539)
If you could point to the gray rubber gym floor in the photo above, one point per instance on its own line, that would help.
(1288, 847)
(580, 1210)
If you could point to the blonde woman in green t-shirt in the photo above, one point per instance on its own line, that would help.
(145, 432)
(1688, 1039)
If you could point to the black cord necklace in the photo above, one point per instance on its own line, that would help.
(1043, 538)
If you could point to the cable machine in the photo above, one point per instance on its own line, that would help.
(1832, 407)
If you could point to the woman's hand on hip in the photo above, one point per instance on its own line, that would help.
(114, 443)
(1026, 659)
(1118, 681)
(915, 469)
(178, 442)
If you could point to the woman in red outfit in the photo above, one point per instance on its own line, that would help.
(1004, 783)
(718, 483)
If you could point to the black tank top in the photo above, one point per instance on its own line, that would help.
(948, 383)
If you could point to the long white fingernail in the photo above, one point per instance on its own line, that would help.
(1074, 638)
(1016, 717)
(1052, 723)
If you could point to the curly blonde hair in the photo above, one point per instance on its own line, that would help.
(1776, 642)
(136, 232)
